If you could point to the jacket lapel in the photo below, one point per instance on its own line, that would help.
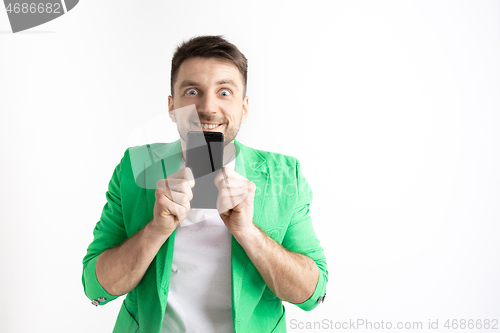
(250, 164)
(166, 160)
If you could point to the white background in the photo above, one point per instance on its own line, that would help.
(392, 107)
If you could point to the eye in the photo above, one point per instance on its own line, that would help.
(225, 92)
(192, 92)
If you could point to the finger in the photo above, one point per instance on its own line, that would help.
(161, 184)
(161, 204)
(175, 184)
(180, 186)
(181, 211)
(184, 173)
(230, 182)
(246, 193)
(228, 173)
(180, 207)
(181, 199)
(227, 203)
(179, 193)
(188, 173)
(234, 192)
(237, 194)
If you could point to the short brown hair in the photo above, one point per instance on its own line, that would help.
(208, 47)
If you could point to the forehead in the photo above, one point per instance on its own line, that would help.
(208, 71)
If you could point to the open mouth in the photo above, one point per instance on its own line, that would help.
(208, 127)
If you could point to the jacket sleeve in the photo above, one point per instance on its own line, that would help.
(301, 238)
(108, 232)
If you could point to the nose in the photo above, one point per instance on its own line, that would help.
(208, 104)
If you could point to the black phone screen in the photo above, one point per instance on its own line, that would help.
(204, 156)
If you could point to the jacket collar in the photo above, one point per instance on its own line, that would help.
(165, 150)
(247, 159)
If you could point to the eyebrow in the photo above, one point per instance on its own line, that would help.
(228, 81)
(187, 83)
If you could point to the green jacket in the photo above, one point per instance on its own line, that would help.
(281, 209)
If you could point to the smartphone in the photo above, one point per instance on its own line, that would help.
(204, 156)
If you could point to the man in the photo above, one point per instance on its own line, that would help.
(224, 270)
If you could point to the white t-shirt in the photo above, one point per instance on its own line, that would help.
(199, 297)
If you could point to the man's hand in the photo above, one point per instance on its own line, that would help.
(291, 276)
(121, 268)
(173, 196)
(235, 200)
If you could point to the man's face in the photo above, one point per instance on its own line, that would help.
(215, 87)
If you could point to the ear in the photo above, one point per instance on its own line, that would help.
(171, 111)
(245, 109)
